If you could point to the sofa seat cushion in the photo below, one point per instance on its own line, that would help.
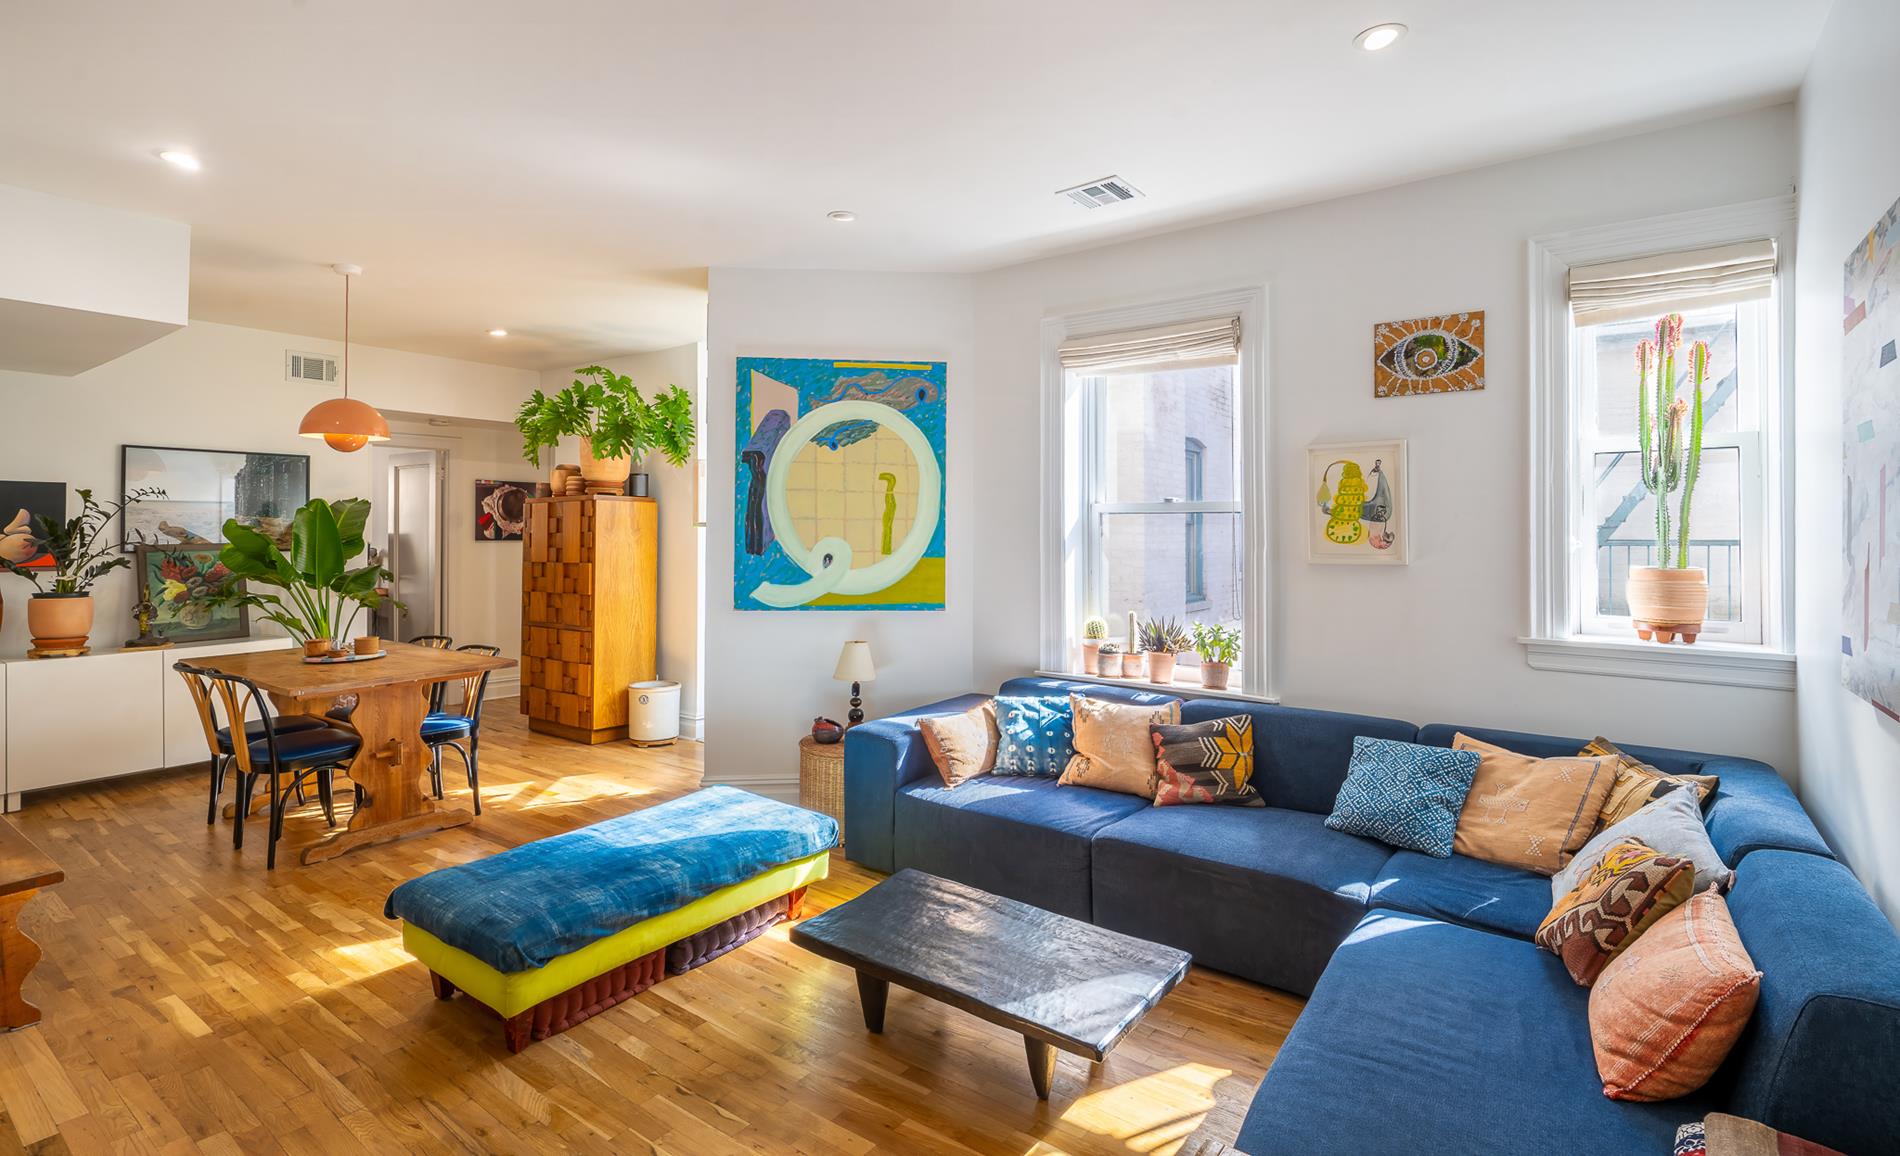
(1466, 891)
(1022, 837)
(1262, 893)
(1425, 1036)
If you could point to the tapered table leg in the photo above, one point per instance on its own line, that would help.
(1042, 1065)
(873, 993)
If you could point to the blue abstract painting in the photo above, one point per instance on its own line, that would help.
(1870, 400)
(839, 497)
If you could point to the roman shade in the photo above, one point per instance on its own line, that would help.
(1690, 279)
(1180, 345)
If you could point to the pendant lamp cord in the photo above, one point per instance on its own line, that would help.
(346, 335)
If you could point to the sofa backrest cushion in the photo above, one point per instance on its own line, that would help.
(1820, 1056)
(1300, 756)
(1134, 692)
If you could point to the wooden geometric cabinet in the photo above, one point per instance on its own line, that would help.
(589, 612)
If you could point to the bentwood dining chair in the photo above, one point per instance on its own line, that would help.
(442, 729)
(434, 642)
(218, 738)
(299, 752)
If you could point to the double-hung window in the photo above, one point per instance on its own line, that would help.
(1156, 424)
(1604, 296)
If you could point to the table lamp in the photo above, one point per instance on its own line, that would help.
(854, 667)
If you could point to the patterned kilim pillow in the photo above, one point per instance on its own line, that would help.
(1035, 735)
(1638, 783)
(1619, 897)
(1404, 794)
(1205, 762)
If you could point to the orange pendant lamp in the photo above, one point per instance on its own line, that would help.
(344, 423)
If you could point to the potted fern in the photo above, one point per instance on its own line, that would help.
(1672, 597)
(1163, 639)
(60, 619)
(1218, 648)
(615, 423)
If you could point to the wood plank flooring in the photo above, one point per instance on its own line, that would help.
(194, 1003)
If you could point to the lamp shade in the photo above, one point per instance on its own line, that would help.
(854, 663)
(345, 423)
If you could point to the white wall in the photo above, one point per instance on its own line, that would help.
(1433, 641)
(769, 672)
(680, 538)
(1850, 174)
(216, 387)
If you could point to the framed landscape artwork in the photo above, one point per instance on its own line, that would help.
(1361, 511)
(501, 510)
(182, 582)
(203, 488)
(22, 504)
(839, 497)
(1428, 355)
(1870, 404)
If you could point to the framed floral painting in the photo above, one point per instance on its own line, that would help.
(182, 583)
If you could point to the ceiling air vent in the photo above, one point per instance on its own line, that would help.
(1101, 194)
(308, 366)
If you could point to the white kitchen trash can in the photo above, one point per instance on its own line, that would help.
(653, 712)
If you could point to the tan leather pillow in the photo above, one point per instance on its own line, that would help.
(962, 745)
(1638, 783)
(1529, 812)
(1665, 1012)
(1112, 747)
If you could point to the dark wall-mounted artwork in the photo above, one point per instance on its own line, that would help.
(501, 510)
(203, 488)
(21, 506)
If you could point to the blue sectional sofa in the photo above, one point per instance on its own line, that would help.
(1433, 1023)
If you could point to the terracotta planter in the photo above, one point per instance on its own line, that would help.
(1214, 675)
(1107, 665)
(1131, 665)
(59, 621)
(1160, 668)
(1091, 648)
(1666, 602)
(603, 471)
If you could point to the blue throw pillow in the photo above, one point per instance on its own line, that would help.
(1404, 794)
(1035, 735)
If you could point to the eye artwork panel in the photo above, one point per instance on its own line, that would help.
(1428, 355)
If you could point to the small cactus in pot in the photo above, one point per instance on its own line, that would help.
(1108, 660)
(1094, 630)
(1672, 597)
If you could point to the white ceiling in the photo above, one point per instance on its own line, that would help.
(568, 169)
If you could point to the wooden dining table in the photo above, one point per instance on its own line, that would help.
(391, 699)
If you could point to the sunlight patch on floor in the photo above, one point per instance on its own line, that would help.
(362, 960)
(1147, 1113)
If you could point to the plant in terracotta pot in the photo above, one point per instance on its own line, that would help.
(1218, 648)
(1094, 630)
(1163, 639)
(1132, 662)
(1670, 598)
(1108, 660)
(615, 423)
(318, 593)
(60, 618)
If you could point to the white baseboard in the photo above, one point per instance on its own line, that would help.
(504, 684)
(783, 789)
(693, 726)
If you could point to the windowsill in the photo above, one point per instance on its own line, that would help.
(1193, 689)
(1715, 663)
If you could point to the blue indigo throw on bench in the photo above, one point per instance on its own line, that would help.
(532, 903)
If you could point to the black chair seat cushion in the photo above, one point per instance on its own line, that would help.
(307, 748)
(439, 727)
(254, 730)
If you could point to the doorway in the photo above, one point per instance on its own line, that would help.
(407, 533)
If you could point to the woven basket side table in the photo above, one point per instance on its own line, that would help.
(821, 779)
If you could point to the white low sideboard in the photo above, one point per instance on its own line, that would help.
(109, 713)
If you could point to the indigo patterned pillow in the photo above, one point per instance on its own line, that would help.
(1035, 735)
(1404, 794)
(1205, 762)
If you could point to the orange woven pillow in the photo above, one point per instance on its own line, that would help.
(1665, 1012)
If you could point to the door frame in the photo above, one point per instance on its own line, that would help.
(440, 545)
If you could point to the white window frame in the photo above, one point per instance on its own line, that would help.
(1556, 638)
(1070, 514)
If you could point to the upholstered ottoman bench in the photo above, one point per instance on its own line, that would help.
(554, 931)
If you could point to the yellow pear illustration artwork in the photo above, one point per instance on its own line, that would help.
(1343, 528)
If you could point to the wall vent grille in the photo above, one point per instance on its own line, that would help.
(308, 366)
(1101, 194)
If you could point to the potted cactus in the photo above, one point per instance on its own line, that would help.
(1108, 661)
(1672, 597)
(1163, 639)
(1218, 648)
(1131, 662)
(1094, 630)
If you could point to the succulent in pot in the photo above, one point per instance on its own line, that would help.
(1218, 648)
(1108, 660)
(1163, 639)
(1094, 630)
(60, 619)
(1672, 597)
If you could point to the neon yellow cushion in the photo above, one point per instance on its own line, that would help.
(513, 992)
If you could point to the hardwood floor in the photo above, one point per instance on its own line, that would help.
(194, 1003)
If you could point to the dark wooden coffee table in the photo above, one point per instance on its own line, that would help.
(1060, 982)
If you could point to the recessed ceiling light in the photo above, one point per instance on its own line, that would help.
(497, 333)
(180, 159)
(842, 215)
(1379, 36)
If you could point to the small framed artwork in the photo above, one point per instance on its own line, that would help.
(1361, 511)
(1428, 355)
(501, 510)
(22, 505)
(204, 488)
(182, 584)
